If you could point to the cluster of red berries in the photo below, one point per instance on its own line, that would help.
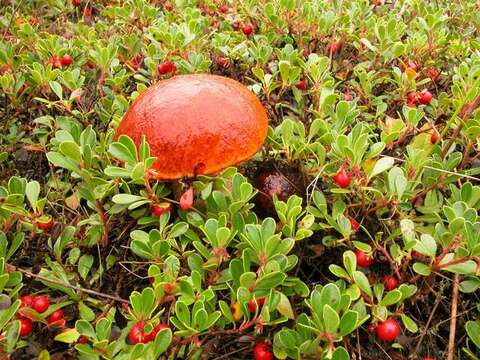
(389, 329)
(137, 333)
(40, 304)
(364, 260)
(423, 97)
(57, 62)
(247, 29)
(262, 351)
(166, 67)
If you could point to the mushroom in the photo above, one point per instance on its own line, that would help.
(196, 124)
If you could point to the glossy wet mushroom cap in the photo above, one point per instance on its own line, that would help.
(196, 124)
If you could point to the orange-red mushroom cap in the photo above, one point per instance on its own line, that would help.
(196, 124)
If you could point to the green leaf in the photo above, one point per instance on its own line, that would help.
(114, 171)
(469, 286)
(103, 328)
(162, 342)
(85, 312)
(71, 150)
(85, 328)
(284, 307)
(121, 152)
(56, 88)
(421, 268)
(59, 160)
(226, 311)
(468, 267)
(340, 354)
(331, 320)
(392, 297)
(84, 265)
(348, 322)
(68, 336)
(362, 281)
(383, 164)
(32, 190)
(7, 314)
(473, 331)
(350, 262)
(409, 324)
(426, 245)
(271, 280)
(44, 355)
(338, 271)
(125, 199)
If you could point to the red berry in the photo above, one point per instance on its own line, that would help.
(354, 224)
(26, 301)
(166, 67)
(363, 259)
(222, 62)
(87, 11)
(412, 97)
(425, 97)
(40, 303)
(390, 282)
(55, 317)
(136, 334)
(302, 84)
(432, 73)
(434, 137)
(83, 339)
(261, 351)
(186, 200)
(137, 61)
(224, 9)
(26, 326)
(388, 330)
(254, 304)
(66, 60)
(158, 209)
(76, 2)
(371, 328)
(342, 178)
(45, 225)
(155, 331)
(247, 29)
(169, 7)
